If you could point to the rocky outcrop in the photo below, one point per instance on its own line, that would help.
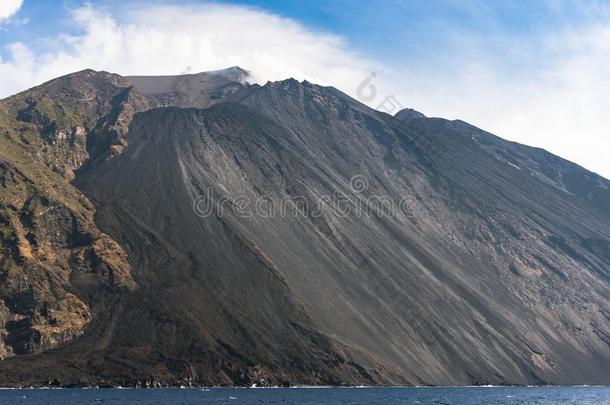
(51, 253)
(45, 244)
(75, 119)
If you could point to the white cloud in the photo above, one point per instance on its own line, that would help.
(9, 8)
(560, 101)
(170, 39)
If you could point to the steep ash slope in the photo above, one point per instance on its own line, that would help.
(428, 292)
(537, 162)
(475, 271)
(230, 297)
(489, 244)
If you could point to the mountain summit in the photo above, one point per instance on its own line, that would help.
(408, 114)
(198, 90)
(198, 229)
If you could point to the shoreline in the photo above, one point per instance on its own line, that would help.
(303, 387)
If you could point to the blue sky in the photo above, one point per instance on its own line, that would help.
(532, 71)
(391, 29)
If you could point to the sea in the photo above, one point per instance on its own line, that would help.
(234, 396)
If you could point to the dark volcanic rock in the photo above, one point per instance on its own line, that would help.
(408, 114)
(488, 264)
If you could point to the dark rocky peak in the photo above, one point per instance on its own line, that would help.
(293, 84)
(290, 93)
(290, 85)
(408, 114)
(234, 73)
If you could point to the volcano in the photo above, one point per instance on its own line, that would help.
(203, 230)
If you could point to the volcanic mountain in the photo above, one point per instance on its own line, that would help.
(202, 230)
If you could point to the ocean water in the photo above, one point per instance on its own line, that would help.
(234, 396)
